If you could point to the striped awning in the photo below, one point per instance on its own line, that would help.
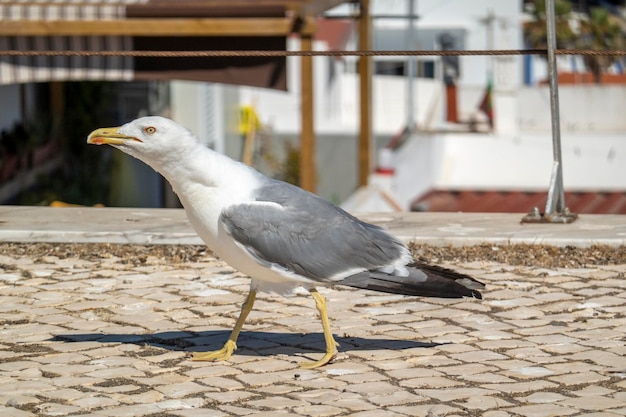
(148, 25)
(24, 69)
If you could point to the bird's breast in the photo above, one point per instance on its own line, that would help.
(203, 206)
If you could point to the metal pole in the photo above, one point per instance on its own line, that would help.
(554, 105)
(556, 211)
(489, 21)
(411, 71)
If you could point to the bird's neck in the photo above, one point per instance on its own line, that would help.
(201, 166)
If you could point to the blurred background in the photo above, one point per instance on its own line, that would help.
(449, 133)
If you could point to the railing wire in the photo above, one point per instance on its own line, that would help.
(258, 53)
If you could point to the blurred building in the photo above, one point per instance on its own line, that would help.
(446, 128)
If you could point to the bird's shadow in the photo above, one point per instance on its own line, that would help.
(253, 343)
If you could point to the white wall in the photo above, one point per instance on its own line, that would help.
(337, 109)
(471, 161)
(583, 108)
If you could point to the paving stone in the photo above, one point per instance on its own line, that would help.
(355, 404)
(394, 398)
(30, 333)
(232, 410)
(453, 338)
(229, 397)
(180, 390)
(164, 378)
(107, 339)
(543, 410)
(65, 394)
(26, 387)
(432, 382)
(544, 398)
(607, 359)
(467, 369)
(484, 403)
(410, 373)
(279, 389)
(375, 413)
(478, 356)
(453, 394)
(200, 370)
(135, 410)
(256, 380)
(528, 372)
(368, 388)
(497, 413)
(267, 365)
(593, 402)
(593, 391)
(91, 402)
(276, 402)
(579, 378)
(14, 412)
(518, 313)
(556, 343)
(116, 389)
(55, 409)
(18, 400)
(362, 377)
(522, 387)
(428, 410)
(319, 410)
(117, 372)
(488, 377)
(199, 412)
(433, 361)
(219, 383)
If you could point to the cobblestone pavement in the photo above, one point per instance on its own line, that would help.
(105, 336)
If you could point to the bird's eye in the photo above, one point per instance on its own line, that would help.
(150, 130)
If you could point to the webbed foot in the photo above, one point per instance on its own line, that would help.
(222, 354)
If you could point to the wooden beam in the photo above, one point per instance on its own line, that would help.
(365, 93)
(307, 136)
(157, 27)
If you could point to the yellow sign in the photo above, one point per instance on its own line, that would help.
(248, 120)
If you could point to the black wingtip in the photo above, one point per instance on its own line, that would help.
(464, 285)
(423, 280)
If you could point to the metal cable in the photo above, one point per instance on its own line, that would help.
(234, 53)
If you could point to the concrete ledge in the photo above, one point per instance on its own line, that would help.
(170, 226)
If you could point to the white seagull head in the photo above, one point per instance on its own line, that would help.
(149, 139)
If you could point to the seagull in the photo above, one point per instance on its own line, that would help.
(280, 235)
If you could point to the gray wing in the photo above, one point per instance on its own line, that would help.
(305, 234)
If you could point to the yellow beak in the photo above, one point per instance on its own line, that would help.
(108, 136)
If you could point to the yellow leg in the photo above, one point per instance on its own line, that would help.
(331, 344)
(231, 344)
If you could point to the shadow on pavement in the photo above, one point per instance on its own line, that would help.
(250, 343)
